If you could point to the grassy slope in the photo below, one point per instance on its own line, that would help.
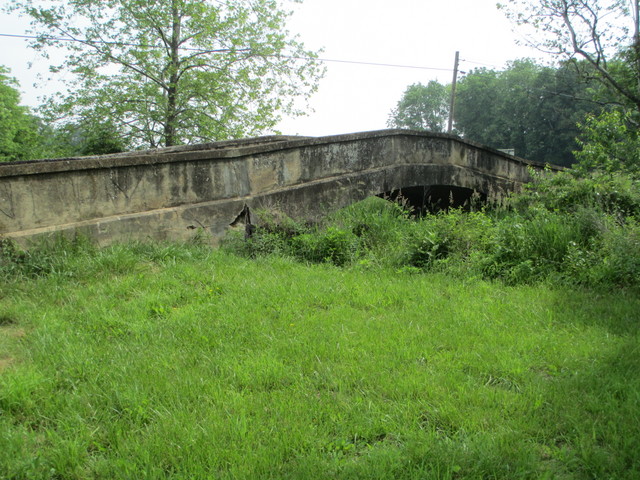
(212, 366)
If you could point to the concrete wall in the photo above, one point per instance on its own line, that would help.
(166, 194)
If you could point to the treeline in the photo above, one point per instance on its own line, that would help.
(536, 110)
(26, 136)
(585, 108)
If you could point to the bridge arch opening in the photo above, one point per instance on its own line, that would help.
(426, 199)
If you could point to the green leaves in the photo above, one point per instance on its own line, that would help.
(527, 107)
(595, 31)
(180, 71)
(19, 129)
(610, 143)
(422, 107)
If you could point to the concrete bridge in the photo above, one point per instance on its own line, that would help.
(167, 194)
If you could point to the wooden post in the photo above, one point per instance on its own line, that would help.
(453, 92)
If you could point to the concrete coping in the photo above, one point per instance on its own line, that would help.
(228, 149)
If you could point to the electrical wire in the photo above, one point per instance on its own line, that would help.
(292, 57)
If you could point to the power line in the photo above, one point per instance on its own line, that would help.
(392, 65)
(480, 63)
(292, 57)
(331, 60)
(103, 42)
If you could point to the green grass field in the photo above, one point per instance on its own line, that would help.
(182, 362)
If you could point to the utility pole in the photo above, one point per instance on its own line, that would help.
(453, 92)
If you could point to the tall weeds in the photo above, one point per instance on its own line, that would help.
(562, 228)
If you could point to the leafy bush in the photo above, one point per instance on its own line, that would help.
(569, 191)
(333, 245)
(379, 223)
(619, 257)
(613, 260)
(272, 236)
(353, 232)
(452, 235)
(527, 249)
(610, 143)
(562, 227)
(55, 255)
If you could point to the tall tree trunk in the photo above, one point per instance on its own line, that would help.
(635, 11)
(172, 90)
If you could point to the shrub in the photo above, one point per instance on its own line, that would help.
(453, 235)
(333, 245)
(378, 222)
(528, 249)
(612, 261)
(567, 192)
(271, 237)
(53, 255)
(576, 230)
(619, 257)
(609, 143)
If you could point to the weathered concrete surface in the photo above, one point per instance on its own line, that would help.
(165, 194)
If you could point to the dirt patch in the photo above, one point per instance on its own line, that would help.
(9, 335)
(4, 363)
(12, 332)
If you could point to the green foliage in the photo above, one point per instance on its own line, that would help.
(380, 226)
(612, 259)
(20, 137)
(570, 228)
(332, 245)
(605, 35)
(422, 107)
(570, 191)
(438, 240)
(610, 143)
(51, 256)
(562, 228)
(530, 108)
(81, 139)
(93, 138)
(179, 71)
(23, 136)
(64, 258)
(530, 249)
(527, 107)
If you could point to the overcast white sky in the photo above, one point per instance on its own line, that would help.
(353, 98)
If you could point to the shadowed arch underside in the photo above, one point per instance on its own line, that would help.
(434, 198)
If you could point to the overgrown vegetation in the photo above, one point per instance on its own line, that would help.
(178, 361)
(564, 228)
(500, 343)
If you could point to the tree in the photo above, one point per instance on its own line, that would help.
(422, 107)
(609, 143)
(100, 139)
(174, 71)
(19, 129)
(80, 139)
(528, 107)
(604, 33)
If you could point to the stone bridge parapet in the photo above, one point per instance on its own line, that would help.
(165, 194)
